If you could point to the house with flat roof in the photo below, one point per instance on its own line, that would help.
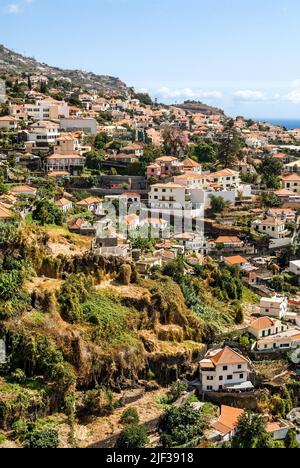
(276, 306)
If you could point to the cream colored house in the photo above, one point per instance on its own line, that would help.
(273, 227)
(8, 123)
(265, 327)
(274, 307)
(292, 182)
(64, 205)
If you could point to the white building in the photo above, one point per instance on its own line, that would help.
(49, 109)
(266, 326)
(295, 267)
(275, 228)
(274, 307)
(86, 125)
(171, 198)
(64, 205)
(224, 369)
(43, 133)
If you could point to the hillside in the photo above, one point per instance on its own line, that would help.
(16, 64)
(199, 107)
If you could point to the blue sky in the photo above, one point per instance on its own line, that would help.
(240, 55)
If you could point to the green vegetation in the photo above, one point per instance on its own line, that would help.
(130, 416)
(251, 433)
(182, 426)
(132, 437)
(46, 212)
(36, 435)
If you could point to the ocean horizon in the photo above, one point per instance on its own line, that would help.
(290, 124)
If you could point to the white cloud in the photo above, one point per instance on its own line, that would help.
(13, 8)
(17, 8)
(187, 93)
(248, 95)
(294, 96)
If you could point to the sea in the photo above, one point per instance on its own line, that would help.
(290, 124)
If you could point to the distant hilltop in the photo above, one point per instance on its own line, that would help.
(13, 63)
(195, 107)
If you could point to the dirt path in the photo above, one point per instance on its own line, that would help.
(102, 432)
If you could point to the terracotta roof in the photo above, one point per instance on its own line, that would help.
(284, 193)
(227, 356)
(262, 323)
(271, 222)
(23, 189)
(63, 202)
(236, 260)
(190, 163)
(167, 159)
(65, 156)
(228, 419)
(5, 213)
(224, 173)
(170, 185)
(89, 201)
(291, 177)
(228, 240)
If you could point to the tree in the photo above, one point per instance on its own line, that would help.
(144, 98)
(183, 425)
(101, 140)
(46, 212)
(230, 146)
(132, 437)
(217, 204)
(270, 170)
(94, 160)
(291, 440)
(252, 433)
(269, 200)
(205, 152)
(175, 142)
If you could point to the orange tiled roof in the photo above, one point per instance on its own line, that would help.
(228, 356)
(228, 419)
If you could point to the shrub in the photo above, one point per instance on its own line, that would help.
(125, 274)
(43, 439)
(130, 416)
(132, 437)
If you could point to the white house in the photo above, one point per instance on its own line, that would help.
(92, 204)
(273, 227)
(224, 369)
(64, 205)
(266, 326)
(274, 307)
(288, 339)
(43, 133)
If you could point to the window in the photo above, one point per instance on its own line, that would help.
(209, 377)
(221, 378)
(209, 388)
(225, 368)
(229, 377)
(241, 376)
